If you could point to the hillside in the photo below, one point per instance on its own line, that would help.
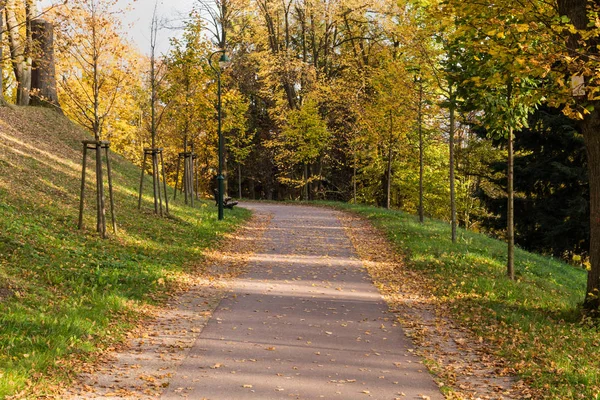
(65, 293)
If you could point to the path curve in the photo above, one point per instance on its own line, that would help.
(305, 322)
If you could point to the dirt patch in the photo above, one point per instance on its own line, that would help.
(462, 362)
(5, 293)
(142, 368)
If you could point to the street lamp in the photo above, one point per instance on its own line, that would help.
(223, 61)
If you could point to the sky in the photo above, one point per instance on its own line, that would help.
(138, 14)
(137, 17)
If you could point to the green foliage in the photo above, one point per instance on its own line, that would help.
(236, 125)
(490, 47)
(303, 140)
(552, 183)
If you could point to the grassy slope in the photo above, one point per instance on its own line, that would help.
(534, 322)
(66, 293)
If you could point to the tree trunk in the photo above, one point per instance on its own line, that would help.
(577, 12)
(2, 10)
(43, 74)
(29, 15)
(510, 214)
(389, 166)
(354, 178)
(225, 172)
(305, 181)
(21, 65)
(239, 181)
(591, 133)
(452, 188)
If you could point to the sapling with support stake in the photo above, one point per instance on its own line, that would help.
(91, 85)
(154, 153)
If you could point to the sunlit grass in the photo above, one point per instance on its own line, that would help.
(535, 321)
(69, 293)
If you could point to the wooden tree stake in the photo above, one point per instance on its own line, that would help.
(158, 169)
(100, 204)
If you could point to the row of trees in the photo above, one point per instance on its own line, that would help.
(394, 103)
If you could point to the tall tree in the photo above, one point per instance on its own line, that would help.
(497, 77)
(189, 91)
(302, 142)
(582, 60)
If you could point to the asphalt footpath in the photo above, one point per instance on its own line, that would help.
(305, 322)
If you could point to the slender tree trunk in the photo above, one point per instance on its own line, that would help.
(2, 11)
(28, 54)
(452, 187)
(354, 177)
(153, 96)
(224, 22)
(305, 181)
(225, 172)
(510, 215)
(239, 180)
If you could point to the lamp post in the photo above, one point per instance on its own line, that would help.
(223, 60)
(420, 122)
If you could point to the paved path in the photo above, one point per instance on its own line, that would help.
(305, 323)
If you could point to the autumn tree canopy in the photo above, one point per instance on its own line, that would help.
(338, 99)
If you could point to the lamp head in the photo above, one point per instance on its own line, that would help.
(224, 61)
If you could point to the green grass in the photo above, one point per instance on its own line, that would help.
(535, 322)
(65, 293)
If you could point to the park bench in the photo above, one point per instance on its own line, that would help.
(228, 202)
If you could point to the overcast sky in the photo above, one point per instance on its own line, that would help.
(137, 17)
(137, 20)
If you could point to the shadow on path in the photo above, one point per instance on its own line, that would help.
(305, 322)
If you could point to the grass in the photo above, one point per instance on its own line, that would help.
(66, 294)
(535, 322)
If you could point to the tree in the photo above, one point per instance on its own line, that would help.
(581, 59)
(21, 49)
(94, 65)
(92, 80)
(551, 179)
(238, 132)
(188, 90)
(43, 74)
(497, 78)
(2, 30)
(302, 141)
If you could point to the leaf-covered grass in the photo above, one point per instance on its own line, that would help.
(535, 321)
(65, 293)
